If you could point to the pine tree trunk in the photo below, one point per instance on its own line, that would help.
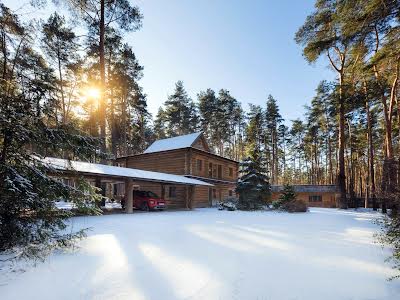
(330, 160)
(114, 140)
(124, 126)
(341, 173)
(371, 161)
(64, 114)
(102, 106)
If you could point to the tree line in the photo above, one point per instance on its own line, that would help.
(78, 95)
(347, 137)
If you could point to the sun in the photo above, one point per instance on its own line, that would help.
(92, 93)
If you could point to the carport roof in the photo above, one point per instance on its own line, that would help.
(106, 170)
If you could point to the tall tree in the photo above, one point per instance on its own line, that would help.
(61, 45)
(272, 121)
(180, 113)
(319, 35)
(29, 219)
(102, 15)
(159, 126)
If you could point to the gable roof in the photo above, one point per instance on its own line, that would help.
(100, 169)
(178, 142)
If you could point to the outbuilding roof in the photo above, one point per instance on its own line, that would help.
(308, 188)
(100, 169)
(178, 142)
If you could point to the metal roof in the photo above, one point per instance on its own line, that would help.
(308, 188)
(100, 169)
(178, 142)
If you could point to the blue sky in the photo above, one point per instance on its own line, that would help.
(246, 47)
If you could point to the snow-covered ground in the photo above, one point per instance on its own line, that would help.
(70, 205)
(209, 254)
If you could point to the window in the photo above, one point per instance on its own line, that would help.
(230, 172)
(214, 171)
(230, 193)
(139, 193)
(210, 168)
(219, 171)
(315, 198)
(199, 165)
(172, 192)
(69, 182)
(152, 195)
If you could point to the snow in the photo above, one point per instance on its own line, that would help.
(70, 205)
(209, 254)
(99, 169)
(178, 142)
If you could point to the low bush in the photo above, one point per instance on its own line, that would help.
(229, 204)
(295, 206)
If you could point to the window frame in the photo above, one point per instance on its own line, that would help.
(220, 171)
(172, 192)
(314, 198)
(199, 165)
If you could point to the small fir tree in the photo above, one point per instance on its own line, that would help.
(288, 195)
(288, 201)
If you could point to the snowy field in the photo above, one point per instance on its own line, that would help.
(208, 254)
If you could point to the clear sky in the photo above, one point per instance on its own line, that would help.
(244, 46)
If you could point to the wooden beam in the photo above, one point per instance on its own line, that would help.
(189, 196)
(129, 196)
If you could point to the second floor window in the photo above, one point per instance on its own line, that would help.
(219, 171)
(230, 172)
(210, 168)
(199, 165)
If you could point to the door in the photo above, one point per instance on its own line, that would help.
(212, 197)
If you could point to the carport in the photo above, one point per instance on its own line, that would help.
(130, 178)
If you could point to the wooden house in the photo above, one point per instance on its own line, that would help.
(190, 156)
(117, 182)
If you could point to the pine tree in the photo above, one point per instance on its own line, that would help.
(207, 107)
(253, 186)
(30, 222)
(180, 113)
(288, 201)
(101, 16)
(297, 133)
(159, 125)
(61, 46)
(272, 121)
(319, 35)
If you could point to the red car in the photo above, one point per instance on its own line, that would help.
(146, 200)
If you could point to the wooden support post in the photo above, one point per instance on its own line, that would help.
(162, 191)
(129, 196)
(189, 196)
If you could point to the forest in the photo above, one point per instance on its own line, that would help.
(349, 134)
(350, 129)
